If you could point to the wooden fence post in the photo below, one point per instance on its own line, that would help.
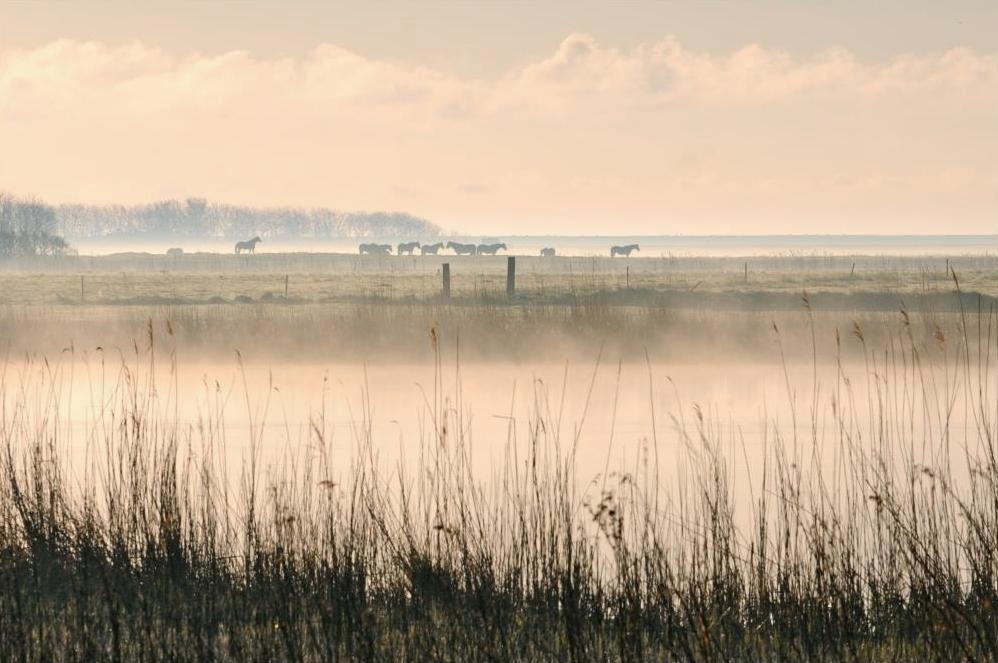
(446, 290)
(83, 297)
(285, 286)
(510, 277)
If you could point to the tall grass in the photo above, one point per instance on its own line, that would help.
(871, 532)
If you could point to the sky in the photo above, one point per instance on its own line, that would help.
(556, 117)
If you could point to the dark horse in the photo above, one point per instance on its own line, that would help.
(249, 245)
(462, 249)
(375, 249)
(623, 250)
(490, 249)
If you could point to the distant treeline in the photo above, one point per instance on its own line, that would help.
(196, 217)
(28, 227)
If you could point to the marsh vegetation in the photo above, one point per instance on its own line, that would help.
(853, 518)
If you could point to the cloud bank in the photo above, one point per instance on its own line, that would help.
(656, 138)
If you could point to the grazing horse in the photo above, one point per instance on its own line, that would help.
(623, 250)
(462, 249)
(431, 249)
(490, 249)
(407, 247)
(174, 253)
(547, 252)
(376, 249)
(248, 246)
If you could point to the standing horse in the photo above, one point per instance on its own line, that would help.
(548, 252)
(430, 249)
(249, 245)
(407, 247)
(375, 249)
(462, 249)
(623, 250)
(490, 249)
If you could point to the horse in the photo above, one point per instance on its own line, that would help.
(376, 249)
(623, 250)
(490, 249)
(462, 249)
(174, 253)
(249, 245)
(408, 247)
(548, 252)
(430, 249)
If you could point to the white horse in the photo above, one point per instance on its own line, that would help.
(248, 246)
(623, 250)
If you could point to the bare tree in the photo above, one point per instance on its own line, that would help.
(27, 227)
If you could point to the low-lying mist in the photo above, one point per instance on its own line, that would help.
(378, 333)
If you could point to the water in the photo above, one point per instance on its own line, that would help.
(622, 417)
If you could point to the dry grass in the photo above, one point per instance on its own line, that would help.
(204, 278)
(873, 538)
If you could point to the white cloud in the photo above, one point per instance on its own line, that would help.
(585, 131)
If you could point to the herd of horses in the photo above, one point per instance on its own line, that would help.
(460, 249)
(410, 248)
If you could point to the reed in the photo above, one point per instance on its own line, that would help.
(870, 534)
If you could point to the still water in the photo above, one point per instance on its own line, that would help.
(623, 417)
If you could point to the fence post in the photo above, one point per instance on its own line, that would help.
(510, 277)
(446, 290)
(83, 298)
(285, 286)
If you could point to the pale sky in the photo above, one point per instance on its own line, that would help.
(517, 117)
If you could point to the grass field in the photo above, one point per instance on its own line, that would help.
(214, 278)
(345, 307)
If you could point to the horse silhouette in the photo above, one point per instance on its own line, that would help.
(248, 245)
(547, 252)
(490, 249)
(623, 250)
(407, 247)
(431, 249)
(174, 253)
(375, 249)
(462, 249)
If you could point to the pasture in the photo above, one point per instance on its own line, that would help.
(215, 278)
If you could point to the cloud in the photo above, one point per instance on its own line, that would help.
(73, 72)
(668, 72)
(583, 132)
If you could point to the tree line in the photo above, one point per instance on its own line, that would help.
(29, 227)
(196, 217)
